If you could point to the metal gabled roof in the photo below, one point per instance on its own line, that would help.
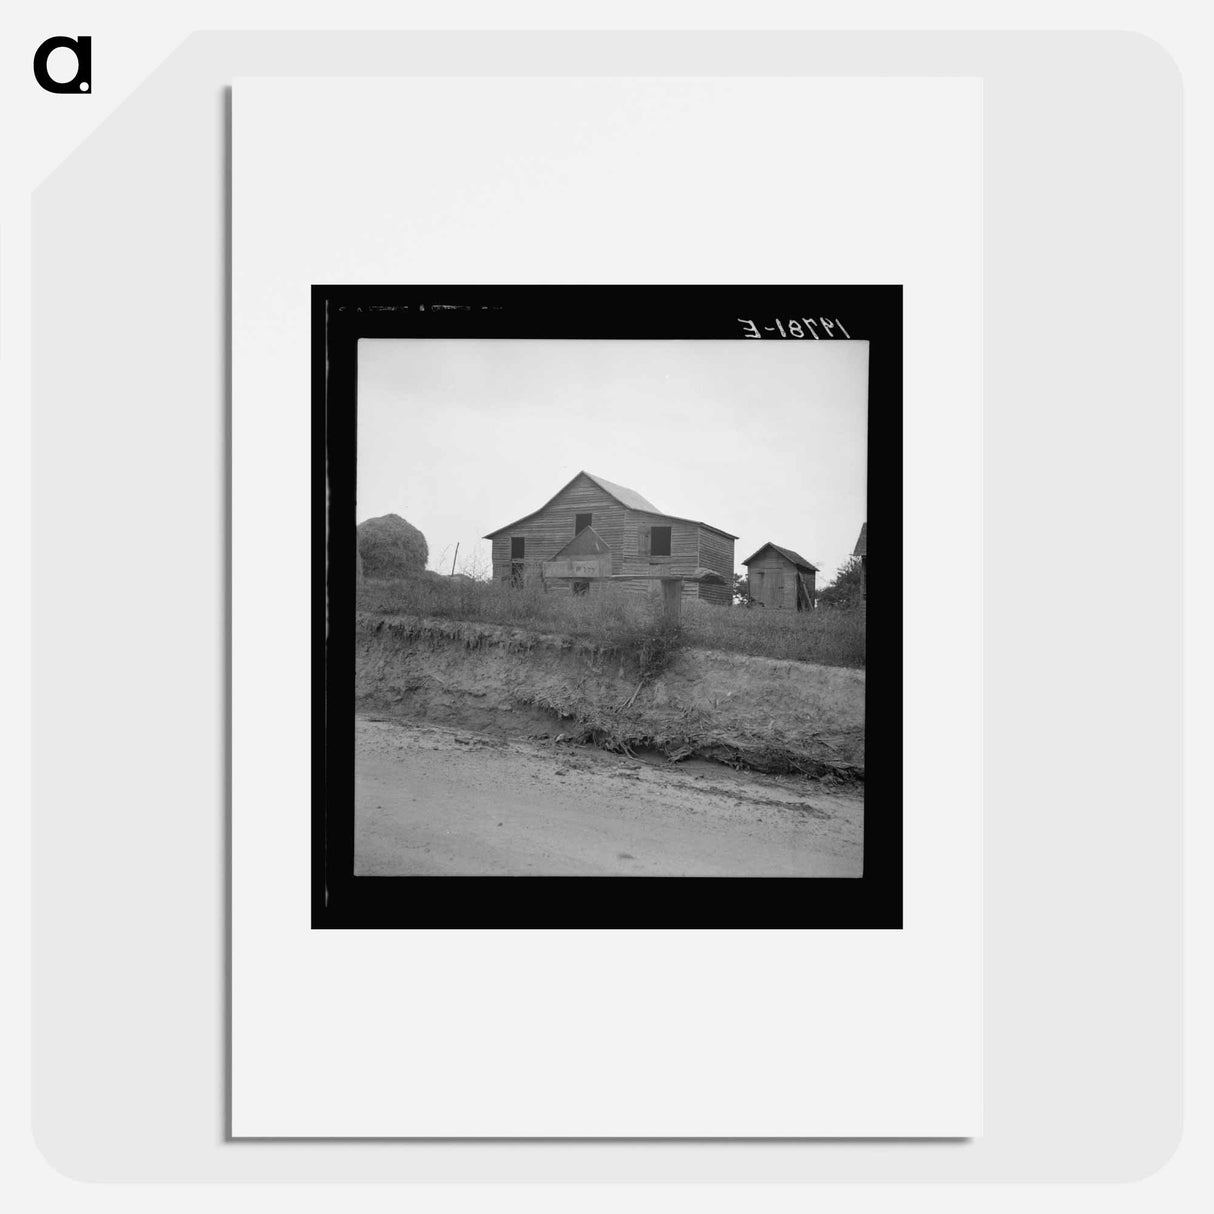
(630, 499)
(625, 496)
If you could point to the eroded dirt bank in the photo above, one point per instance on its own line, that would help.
(769, 716)
(436, 801)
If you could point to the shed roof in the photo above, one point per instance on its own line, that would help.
(629, 498)
(787, 553)
(861, 548)
(587, 542)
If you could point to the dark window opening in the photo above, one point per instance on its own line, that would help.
(659, 541)
(516, 573)
(581, 588)
(581, 522)
(518, 546)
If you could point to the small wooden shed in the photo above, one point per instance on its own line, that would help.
(781, 578)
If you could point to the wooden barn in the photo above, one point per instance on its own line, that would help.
(861, 551)
(781, 578)
(594, 528)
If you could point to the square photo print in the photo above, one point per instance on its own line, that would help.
(594, 643)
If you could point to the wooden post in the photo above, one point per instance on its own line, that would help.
(672, 596)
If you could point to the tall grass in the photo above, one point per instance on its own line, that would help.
(828, 637)
(497, 603)
(613, 621)
(630, 623)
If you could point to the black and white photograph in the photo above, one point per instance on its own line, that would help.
(608, 608)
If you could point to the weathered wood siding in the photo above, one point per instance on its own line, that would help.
(716, 553)
(638, 555)
(773, 581)
(762, 571)
(776, 583)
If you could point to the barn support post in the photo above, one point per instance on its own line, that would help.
(672, 586)
(672, 597)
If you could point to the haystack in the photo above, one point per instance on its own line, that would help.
(389, 547)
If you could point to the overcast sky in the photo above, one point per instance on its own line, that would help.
(764, 439)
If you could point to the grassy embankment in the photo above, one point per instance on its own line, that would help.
(628, 622)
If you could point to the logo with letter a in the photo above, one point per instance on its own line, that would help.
(82, 81)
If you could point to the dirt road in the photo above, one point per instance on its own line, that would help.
(432, 801)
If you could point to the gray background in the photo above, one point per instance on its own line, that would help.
(1082, 677)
